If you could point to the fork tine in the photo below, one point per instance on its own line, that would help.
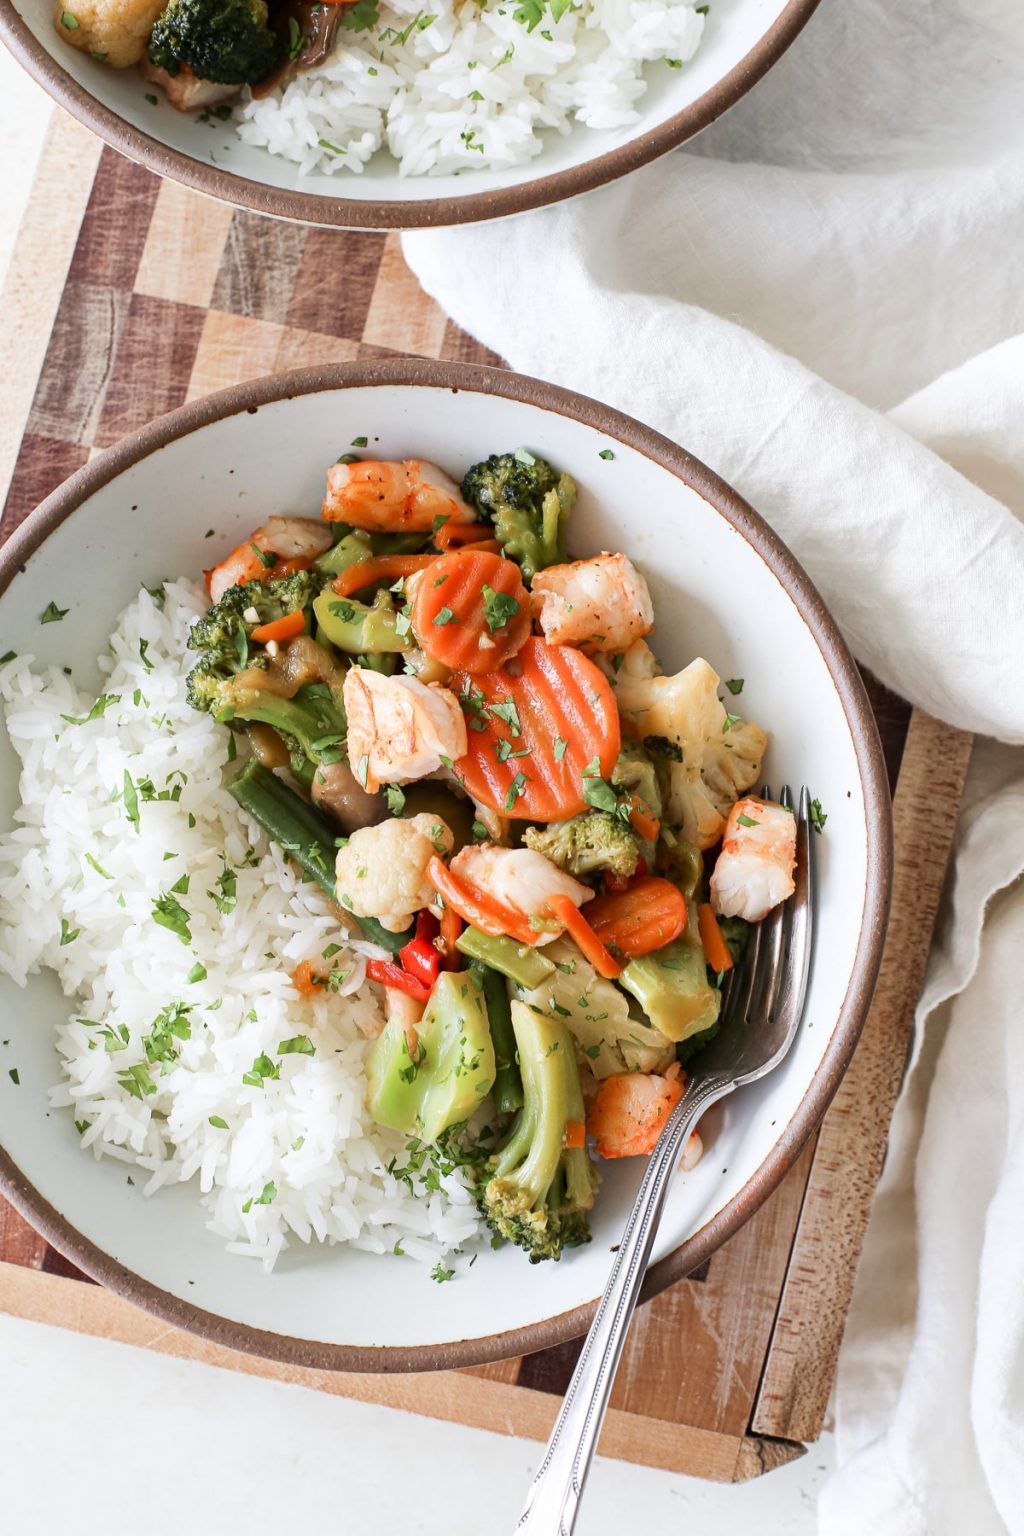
(800, 934)
(778, 925)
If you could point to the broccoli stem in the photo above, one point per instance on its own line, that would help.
(351, 549)
(305, 836)
(508, 1083)
(357, 629)
(525, 966)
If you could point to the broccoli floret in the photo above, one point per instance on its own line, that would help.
(595, 840)
(220, 630)
(229, 41)
(529, 504)
(680, 861)
(693, 1043)
(312, 723)
(539, 1191)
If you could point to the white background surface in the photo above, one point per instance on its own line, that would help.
(90, 1429)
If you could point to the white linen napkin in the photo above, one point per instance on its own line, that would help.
(823, 298)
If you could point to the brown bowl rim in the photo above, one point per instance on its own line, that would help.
(410, 372)
(391, 214)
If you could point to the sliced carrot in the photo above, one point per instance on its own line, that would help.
(472, 611)
(535, 728)
(477, 907)
(716, 950)
(642, 819)
(580, 931)
(305, 980)
(644, 916)
(452, 535)
(575, 1135)
(451, 927)
(378, 568)
(285, 628)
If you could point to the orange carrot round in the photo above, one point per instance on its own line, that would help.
(586, 940)
(716, 950)
(471, 610)
(285, 628)
(645, 915)
(535, 729)
(378, 568)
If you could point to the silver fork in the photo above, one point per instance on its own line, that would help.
(762, 1005)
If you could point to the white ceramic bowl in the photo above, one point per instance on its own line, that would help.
(723, 587)
(742, 39)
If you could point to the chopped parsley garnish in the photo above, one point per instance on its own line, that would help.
(331, 951)
(67, 935)
(131, 801)
(515, 789)
(98, 867)
(734, 684)
(499, 608)
(170, 1025)
(197, 973)
(69, 21)
(480, 833)
(219, 1122)
(297, 1045)
(261, 1068)
(8, 656)
(102, 703)
(268, 1194)
(729, 722)
(818, 816)
(503, 751)
(137, 1080)
(395, 798)
(359, 442)
(560, 746)
(507, 712)
(444, 616)
(344, 610)
(169, 913)
(747, 821)
(224, 897)
(144, 655)
(14, 1077)
(606, 453)
(440, 1274)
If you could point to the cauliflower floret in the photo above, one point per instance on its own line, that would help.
(601, 604)
(116, 31)
(382, 871)
(719, 761)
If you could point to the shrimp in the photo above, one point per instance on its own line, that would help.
(388, 497)
(601, 604)
(521, 879)
(287, 544)
(628, 1112)
(754, 870)
(399, 729)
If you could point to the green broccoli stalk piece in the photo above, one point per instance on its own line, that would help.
(592, 841)
(229, 41)
(635, 773)
(421, 1081)
(539, 1192)
(529, 504)
(361, 629)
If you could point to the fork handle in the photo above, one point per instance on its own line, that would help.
(554, 1496)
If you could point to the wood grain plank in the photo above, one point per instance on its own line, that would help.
(258, 268)
(114, 229)
(335, 282)
(37, 273)
(401, 317)
(852, 1141)
(158, 342)
(184, 247)
(463, 1397)
(79, 365)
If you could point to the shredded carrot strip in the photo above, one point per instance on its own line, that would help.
(579, 930)
(642, 820)
(378, 568)
(305, 980)
(477, 907)
(451, 927)
(284, 628)
(575, 1135)
(454, 535)
(716, 950)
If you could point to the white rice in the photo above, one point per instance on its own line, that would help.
(298, 1153)
(460, 84)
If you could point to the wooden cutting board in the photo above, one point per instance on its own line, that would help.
(128, 296)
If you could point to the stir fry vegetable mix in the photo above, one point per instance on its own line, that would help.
(466, 741)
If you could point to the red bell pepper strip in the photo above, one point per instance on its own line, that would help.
(391, 975)
(419, 956)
